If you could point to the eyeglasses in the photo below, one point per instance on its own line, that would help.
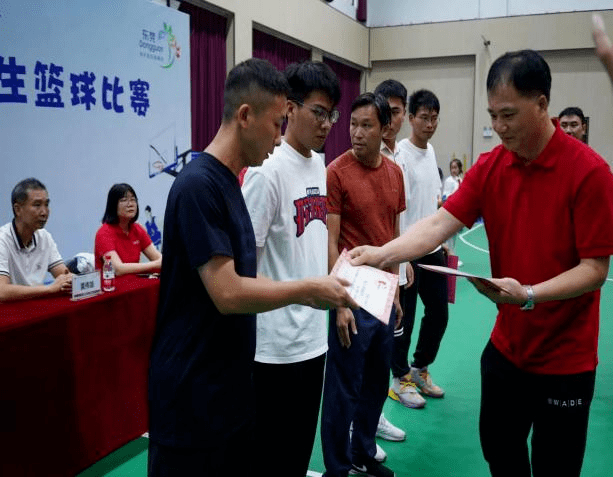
(428, 119)
(126, 200)
(320, 113)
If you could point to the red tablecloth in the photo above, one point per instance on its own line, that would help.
(73, 378)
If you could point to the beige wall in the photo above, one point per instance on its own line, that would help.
(309, 22)
(578, 80)
(452, 79)
(449, 58)
(564, 39)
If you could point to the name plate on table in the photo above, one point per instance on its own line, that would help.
(86, 285)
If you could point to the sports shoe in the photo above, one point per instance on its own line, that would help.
(371, 469)
(404, 390)
(381, 455)
(386, 430)
(421, 378)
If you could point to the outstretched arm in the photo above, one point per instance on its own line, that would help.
(604, 49)
(588, 275)
(232, 293)
(421, 238)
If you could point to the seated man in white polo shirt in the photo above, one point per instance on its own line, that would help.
(27, 250)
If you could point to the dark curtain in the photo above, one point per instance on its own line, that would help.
(208, 72)
(361, 13)
(279, 52)
(338, 140)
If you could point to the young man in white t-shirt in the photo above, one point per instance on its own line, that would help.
(396, 95)
(286, 199)
(423, 184)
(27, 250)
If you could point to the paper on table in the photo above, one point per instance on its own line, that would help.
(371, 288)
(452, 271)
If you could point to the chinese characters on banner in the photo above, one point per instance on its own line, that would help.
(49, 85)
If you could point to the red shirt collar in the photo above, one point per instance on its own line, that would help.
(548, 156)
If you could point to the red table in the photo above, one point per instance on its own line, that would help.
(73, 378)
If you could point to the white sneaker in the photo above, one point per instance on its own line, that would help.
(422, 379)
(404, 390)
(381, 455)
(386, 430)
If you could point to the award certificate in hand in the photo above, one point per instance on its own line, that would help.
(371, 288)
(452, 271)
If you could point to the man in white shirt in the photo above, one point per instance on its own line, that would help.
(396, 95)
(286, 199)
(27, 250)
(423, 186)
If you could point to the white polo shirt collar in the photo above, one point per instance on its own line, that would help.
(18, 243)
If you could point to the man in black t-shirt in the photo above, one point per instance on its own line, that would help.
(200, 390)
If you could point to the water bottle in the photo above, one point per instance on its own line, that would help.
(108, 275)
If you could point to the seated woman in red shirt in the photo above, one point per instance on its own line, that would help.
(122, 238)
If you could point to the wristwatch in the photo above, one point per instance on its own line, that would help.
(529, 304)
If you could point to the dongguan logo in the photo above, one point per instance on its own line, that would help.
(160, 46)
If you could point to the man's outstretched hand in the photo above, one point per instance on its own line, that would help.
(366, 255)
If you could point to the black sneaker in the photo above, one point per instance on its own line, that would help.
(371, 469)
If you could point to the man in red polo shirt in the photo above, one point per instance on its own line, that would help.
(547, 204)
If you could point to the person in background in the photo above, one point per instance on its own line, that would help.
(454, 180)
(451, 184)
(27, 250)
(424, 184)
(395, 94)
(121, 238)
(573, 123)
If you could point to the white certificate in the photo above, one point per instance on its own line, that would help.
(452, 271)
(371, 288)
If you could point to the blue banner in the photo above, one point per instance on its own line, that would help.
(93, 93)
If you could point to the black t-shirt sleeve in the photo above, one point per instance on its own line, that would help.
(202, 221)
